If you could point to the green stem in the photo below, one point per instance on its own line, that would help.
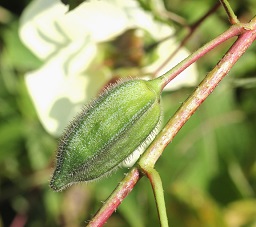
(157, 187)
(231, 15)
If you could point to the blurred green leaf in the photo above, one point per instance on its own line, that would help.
(15, 53)
(53, 203)
(191, 207)
(241, 213)
(10, 133)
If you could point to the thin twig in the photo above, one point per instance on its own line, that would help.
(192, 30)
(231, 15)
(172, 73)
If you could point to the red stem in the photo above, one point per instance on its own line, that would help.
(192, 30)
(122, 190)
(231, 32)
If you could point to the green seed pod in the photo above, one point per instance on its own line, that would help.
(124, 118)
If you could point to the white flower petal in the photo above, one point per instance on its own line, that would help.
(103, 20)
(39, 29)
(53, 89)
(46, 26)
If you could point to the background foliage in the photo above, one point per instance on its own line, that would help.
(208, 171)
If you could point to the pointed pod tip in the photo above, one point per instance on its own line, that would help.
(59, 181)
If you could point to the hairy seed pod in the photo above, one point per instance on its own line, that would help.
(107, 132)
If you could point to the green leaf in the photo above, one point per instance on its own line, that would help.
(15, 53)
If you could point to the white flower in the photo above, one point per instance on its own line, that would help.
(67, 43)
